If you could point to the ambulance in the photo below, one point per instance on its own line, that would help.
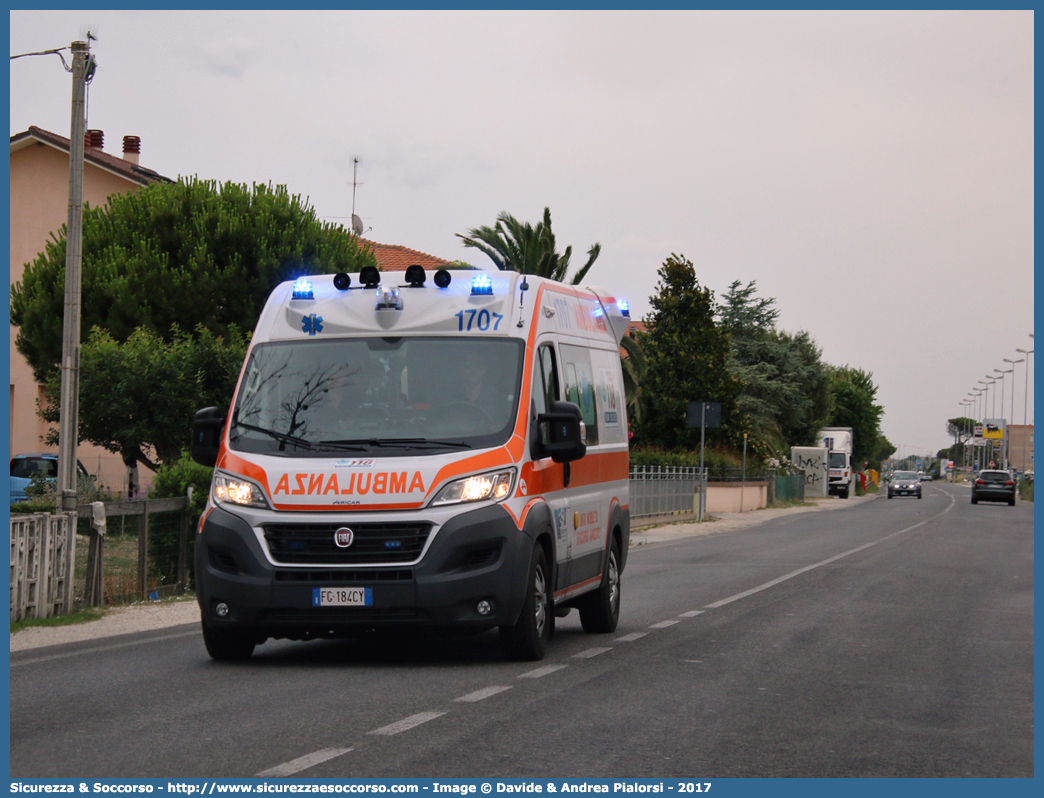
(444, 453)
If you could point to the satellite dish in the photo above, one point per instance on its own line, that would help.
(357, 225)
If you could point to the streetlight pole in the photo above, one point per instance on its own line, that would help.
(68, 420)
(1025, 408)
(1007, 434)
(1002, 373)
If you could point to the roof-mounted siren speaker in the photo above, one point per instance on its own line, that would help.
(357, 225)
(342, 281)
(443, 278)
(370, 277)
(415, 276)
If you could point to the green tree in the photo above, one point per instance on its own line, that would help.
(854, 393)
(687, 361)
(522, 247)
(141, 394)
(883, 449)
(786, 392)
(188, 253)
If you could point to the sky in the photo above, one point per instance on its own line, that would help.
(871, 171)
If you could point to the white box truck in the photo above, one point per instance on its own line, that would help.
(839, 441)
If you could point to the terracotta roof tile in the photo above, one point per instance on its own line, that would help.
(395, 258)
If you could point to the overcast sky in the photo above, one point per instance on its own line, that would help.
(872, 171)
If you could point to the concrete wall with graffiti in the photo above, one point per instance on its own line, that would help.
(815, 463)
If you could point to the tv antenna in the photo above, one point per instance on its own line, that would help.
(357, 224)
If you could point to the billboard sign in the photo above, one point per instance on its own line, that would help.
(994, 429)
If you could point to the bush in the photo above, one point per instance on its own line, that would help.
(173, 481)
(715, 460)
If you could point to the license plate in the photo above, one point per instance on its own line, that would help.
(342, 597)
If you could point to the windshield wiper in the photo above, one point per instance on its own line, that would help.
(405, 443)
(300, 443)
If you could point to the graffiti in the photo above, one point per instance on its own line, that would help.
(813, 461)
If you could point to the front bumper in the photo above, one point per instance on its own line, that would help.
(479, 555)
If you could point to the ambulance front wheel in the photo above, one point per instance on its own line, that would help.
(600, 610)
(527, 638)
(223, 644)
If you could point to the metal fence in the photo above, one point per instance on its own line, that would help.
(790, 488)
(143, 548)
(667, 490)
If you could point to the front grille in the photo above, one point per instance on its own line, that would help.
(343, 576)
(373, 544)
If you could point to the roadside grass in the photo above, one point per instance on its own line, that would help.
(88, 614)
(783, 504)
(80, 616)
(1026, 491)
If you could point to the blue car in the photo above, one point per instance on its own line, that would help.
(24, 466)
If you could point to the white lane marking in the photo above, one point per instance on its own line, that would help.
(631, 637)
(406, 723)
(663, 624)
(821, 563)
(691, 614)
(302, 763)
(96, 649)
(541, 671)
(478, 695)
(591, 652)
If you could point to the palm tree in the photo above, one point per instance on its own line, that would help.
(634, 366)
(516, 246)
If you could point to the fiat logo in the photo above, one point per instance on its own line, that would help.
(343, 537)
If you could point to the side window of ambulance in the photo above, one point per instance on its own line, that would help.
(580, 387)
(545, 387)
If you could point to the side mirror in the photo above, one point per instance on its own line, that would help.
(562, 434)
(206, 435)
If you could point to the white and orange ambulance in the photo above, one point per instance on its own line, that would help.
(402, 451)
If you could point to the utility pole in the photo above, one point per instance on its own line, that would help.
(68, 424)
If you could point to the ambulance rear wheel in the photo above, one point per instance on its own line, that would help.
(600, 610)
(527, 639)
(223, 644)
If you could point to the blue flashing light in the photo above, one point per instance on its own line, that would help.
(481, 284)
(302, 290)
(625, 308)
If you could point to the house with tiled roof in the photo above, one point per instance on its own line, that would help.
(394, 258)
(39, 184)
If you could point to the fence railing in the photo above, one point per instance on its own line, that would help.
(141, 549)
(43, 553)
(667, 490)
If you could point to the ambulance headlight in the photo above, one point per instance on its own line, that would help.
(231, 490)
(492, 487)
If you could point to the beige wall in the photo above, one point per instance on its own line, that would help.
(40, 205)
(1020, 436)
(734, 497)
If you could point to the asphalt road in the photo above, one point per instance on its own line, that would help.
(888, 639)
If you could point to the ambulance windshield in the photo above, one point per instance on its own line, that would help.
(388, 396)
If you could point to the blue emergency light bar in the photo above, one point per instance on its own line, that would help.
(481, 285)
(302, 290)
(625, 308)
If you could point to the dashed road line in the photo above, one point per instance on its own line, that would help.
(302, 763)
(541, 671)
(478, 695)
(591, 652)
(663, 624)
(631, 637)
(691, 613)
(406, 723)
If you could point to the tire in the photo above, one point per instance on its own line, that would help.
(975, 499)
(1011, 502)
(889, 495)
(844, 493)
(918, 495)
(224, 645)
(600, 610)
(527, 639)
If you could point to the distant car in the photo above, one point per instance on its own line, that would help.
(993, 486)
(24, 466)
(904, 483)
(925, 476)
